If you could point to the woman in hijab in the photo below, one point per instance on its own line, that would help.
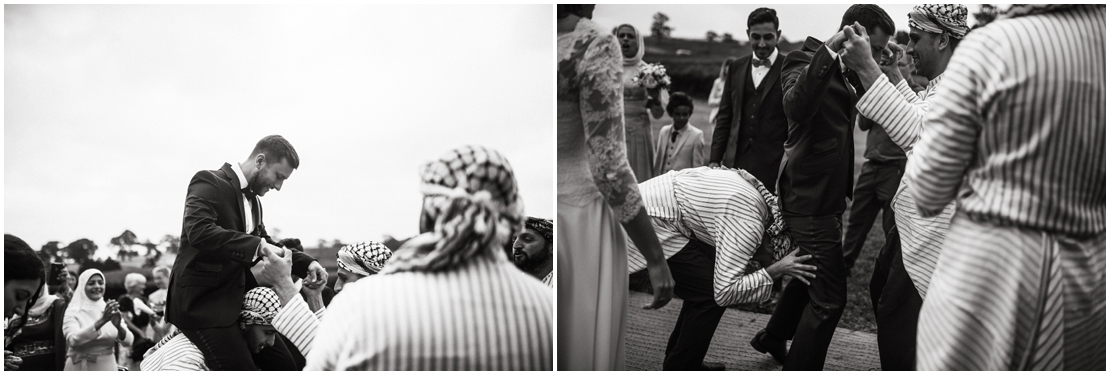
(637, 102)
(449, 299)
(92, 340)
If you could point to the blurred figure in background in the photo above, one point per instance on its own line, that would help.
(680, 145)
(907, 67)
(638, 101)
(137, 315)
(159, 327)
(532, 249)
(40, 342)
(360, 260)
(717, 91)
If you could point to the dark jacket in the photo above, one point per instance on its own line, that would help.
(820, 106)
(760, 151)
(212, 270)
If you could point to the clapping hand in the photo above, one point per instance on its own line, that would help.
(114, 315)
(11, 362)
(317, 276)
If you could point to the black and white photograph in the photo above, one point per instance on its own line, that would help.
(845, 187)
(279, 187)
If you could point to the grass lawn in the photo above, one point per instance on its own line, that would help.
(857, 313)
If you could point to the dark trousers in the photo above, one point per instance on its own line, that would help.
(692, 270)
(897, 305)
(225, 349)
(808, 314)
(877, 183)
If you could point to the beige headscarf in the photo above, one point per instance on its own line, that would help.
(634, 60)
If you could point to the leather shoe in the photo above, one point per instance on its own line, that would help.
(712, 366)
(763, 343)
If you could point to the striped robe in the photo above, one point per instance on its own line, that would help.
(176, 353)
(901, 113)
(718, 208)
(485, 315)
(1017, 135)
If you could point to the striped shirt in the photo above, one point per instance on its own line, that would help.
(901, 113)
(176, 353)
(485, 315)
(1017, 134)
(718, 208)
(547, 279)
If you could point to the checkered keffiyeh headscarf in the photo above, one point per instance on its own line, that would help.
(471, 195)
(544, 226)
(364, 258)
(941, 18)
(260, 306)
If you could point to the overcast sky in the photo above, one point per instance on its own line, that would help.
(109, 110)
(796, 21)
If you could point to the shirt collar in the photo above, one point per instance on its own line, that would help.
(936, 81)
(239, 173)
(774, 56)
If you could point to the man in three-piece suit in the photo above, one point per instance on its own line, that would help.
(222, 237)
(819, 96)
(751, 125)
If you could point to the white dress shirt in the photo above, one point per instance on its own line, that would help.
(759, 72)
(248, 214)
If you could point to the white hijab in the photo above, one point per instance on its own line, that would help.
(634, 60)
(85, 310)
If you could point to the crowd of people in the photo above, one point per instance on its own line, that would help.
(985, 152)
(472, 292)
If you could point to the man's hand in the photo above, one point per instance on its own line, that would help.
(11, 362)
(317, 276)
(891, 70)
(792, 264)
(836, 41)
(857, 50)
(276, 268)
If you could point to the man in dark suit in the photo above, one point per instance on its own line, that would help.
(222, 237)
(751, 125)
(819, 97)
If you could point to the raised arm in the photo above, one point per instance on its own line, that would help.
(888, 106)
(805, 78)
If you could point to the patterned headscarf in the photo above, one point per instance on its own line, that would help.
(544, 226)
(634, 60)
(364, 258)
(781, 243)
(471, 195)
(940, 18)
(260, 306)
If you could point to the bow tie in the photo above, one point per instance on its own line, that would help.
(761, 62)
(248, 193)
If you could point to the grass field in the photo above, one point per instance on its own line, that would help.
(857, 313)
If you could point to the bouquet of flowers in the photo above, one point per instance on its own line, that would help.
(653, 76)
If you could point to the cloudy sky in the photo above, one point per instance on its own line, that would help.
(109, 110)
(692, 21)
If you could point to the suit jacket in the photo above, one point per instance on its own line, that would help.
(762, 154)
(820, 105)
(689, 150)
(212, 270)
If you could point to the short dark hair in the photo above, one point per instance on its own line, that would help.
(763, 15)
(21, 263)
(679, 98)
(869, 16)
(902, 37)
(277, 149)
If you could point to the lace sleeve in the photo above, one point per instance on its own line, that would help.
(602, 110)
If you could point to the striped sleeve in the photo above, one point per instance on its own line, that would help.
(320, 313)
(948, 137)
(737, 239)
(176, 354)
(899, 115)
(298, 324)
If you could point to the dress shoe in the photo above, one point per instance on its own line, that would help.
(712, 366)
(764, 343)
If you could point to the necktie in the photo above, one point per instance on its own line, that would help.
(248, 194)
(674, 136)
(761, 62)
